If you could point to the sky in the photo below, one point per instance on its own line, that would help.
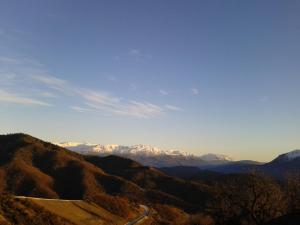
(199, 76)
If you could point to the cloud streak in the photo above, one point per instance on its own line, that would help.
(15, 99)
(25, 75)
(97, 101)
(173, 108)
(163, 92)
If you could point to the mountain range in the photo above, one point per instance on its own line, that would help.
(282, 166)
(178, 162)
(32, 167)
(148, 155)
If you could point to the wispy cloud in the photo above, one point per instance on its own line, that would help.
(173, 108)
(15, 99)
(140, 110)
(80, 109)
(163, 92)
(48, 94)
(102, 101)
(25, 81)
(194, 91)
(50, 81)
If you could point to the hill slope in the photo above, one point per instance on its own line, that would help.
(24, 212)
(79, 212)
(32, 167)
(193, 195)
(288, 163)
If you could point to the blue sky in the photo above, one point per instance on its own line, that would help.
(199, 76)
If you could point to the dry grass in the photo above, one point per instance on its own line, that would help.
(80, 212)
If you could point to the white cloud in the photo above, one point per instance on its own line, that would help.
(15, 99)
(194, 91)
(163, 92)
(173, 108)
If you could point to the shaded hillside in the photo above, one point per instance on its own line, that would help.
(191, 173)
(283, 165)
(32, 167)
(150, 178)
(244, 166)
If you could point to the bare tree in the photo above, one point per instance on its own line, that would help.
(248, 199)
(292, 192)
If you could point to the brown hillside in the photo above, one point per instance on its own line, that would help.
(31, 167)
(195, 194)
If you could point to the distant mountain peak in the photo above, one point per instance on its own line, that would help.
(293, 154)
(289, 156)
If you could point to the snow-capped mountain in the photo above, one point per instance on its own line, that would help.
(288, 163)
(147, 155)
(212, 157)
(293, 154)
(288, 156)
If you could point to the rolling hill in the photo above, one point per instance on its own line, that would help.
(32, 167)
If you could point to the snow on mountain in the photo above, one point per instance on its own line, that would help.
(288, 156)
(146, 154)
(212, 157)
(140, 149)
(293, 154)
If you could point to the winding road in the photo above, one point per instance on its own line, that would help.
(141, 217)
